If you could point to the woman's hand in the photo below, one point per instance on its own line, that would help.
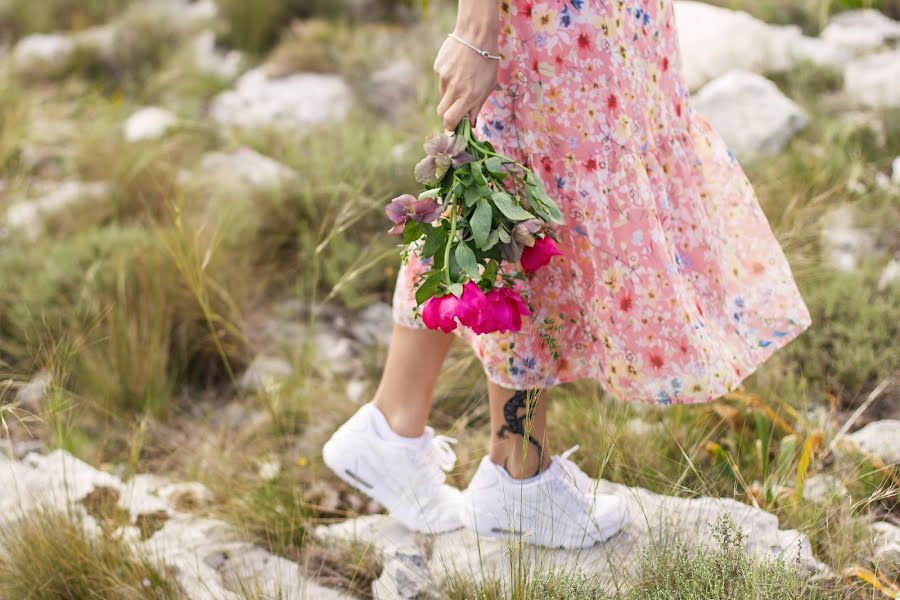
(466, 77)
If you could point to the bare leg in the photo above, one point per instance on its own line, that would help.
(519, 430)
(410, 374)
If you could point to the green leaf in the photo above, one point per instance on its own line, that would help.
(490, 272)
(432, 193)
(478, 175)
(412, 232)
(429, 287)
(473, 193)
(509, 208)
(481, 222)
(435, 240)
(465, 258)
(456, 289)
(494, 166)
(504, 235)
(492, 240)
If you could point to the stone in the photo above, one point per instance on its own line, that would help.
(207, 557)
(149, 123)
(355, 390)
(879, 438)
(186, 495)
(373, 325)
(895, 171)
(208, 59)
(298, 102)
(750, 112)
(716, 40)
(336, 351)
(874, 81)
(31, 395)
(264, 371)
(43, 54)
(890, 275)
(887, 546)
(393, 89)
(49, 199)
(861, 31)
(845, 244)
(823, 488)
(270, 576)
(406, 572)
(241, 172)
(414, 563)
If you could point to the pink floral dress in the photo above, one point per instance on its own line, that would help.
(672, 288)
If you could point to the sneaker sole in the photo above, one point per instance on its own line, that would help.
(484, 528)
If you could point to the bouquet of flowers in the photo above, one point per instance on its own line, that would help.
(481, 209)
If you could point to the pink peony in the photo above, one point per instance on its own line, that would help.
(505, 309)
(537, 256)
(441, 312)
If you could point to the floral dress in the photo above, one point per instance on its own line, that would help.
(672, 287)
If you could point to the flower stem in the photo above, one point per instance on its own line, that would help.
(450, 240)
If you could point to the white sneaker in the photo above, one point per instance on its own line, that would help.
(407, 479)
(559, 508)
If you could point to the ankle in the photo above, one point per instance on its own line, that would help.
(397, 422)
(519, 465)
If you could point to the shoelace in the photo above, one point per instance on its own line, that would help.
(442, 453)
(437, 453)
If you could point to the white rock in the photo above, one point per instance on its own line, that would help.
(50, 199)
(393, 89)
(269, 468)
(845, 244)
(890, 275)
(355, 390)
(373, 325)
(32, 394)
(821, 489)
(880, 438)
(874, 81)
(296, 102)
(271, 577)
(861, 30)
(415, 563)
(244, 170)
(186, 495)
(895, 171)
(208, 59)
(750, 113)
(716, 40)
(149, 123)
(44, 54)
(887, 546)
(336, 351)
(263, 371)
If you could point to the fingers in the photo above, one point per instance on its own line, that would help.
(455, 114)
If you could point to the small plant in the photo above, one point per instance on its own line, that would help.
(49, 556)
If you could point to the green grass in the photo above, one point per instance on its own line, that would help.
(50, 556)
(684, 572)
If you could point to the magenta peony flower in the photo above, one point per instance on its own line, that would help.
(505, 309)
(537, 256)
(407, 207)
(441, 312)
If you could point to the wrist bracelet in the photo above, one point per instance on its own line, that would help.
(483, 53)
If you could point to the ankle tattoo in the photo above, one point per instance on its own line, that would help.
(515, 412)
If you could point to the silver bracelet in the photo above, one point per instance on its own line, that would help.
(483, 53)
